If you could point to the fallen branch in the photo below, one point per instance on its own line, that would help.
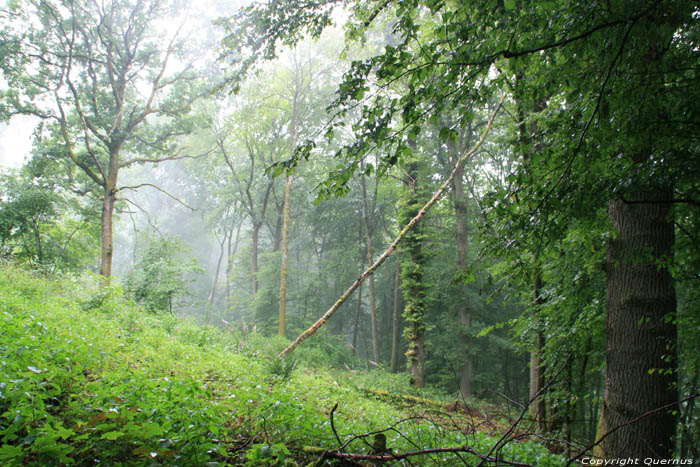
(392, 457)
(504, 439)
(370, 270)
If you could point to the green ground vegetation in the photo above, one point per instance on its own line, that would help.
(87, 377)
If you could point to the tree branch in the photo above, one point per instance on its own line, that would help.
(176, 157)
(136, 187)
(309, 332)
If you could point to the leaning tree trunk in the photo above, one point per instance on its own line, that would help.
(641, 331)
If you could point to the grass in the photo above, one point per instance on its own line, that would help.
(87, 377)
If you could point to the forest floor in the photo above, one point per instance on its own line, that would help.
(87, 377)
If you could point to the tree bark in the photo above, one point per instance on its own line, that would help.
(356, 326)
(538, 408)
(255, 240)
(370, 260)
(395, 320)
(285, 252)
(641, 331)
(222, 249)
(459, 199)
(107, 236)
(231, 254)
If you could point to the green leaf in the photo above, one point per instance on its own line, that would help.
(8, 452)
(112, 435)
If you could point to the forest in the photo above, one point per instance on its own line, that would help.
(349, 232)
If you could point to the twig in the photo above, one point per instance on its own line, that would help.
(340, 443)
(369, 271)
(502, 440)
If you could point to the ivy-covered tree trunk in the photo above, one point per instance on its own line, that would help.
(412, 268)
(641, 331)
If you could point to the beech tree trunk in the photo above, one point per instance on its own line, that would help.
(231, 253)
(255, 239)
(459, 199)
(285, 251)
(107, 237)
(370, 260)
(395, 320)
(222, 250)
(641, 331)
(356, 325)
(538, 408)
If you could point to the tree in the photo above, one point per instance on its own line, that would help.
(43, 225)
(616, 87)
(412, 268)
(105, 81)
(162, 275)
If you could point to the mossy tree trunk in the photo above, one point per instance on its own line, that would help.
(412, 269)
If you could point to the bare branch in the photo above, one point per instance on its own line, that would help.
(176, 157)
(148, 215)
(136, 187)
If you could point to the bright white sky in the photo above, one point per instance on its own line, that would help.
(16, 137)
(16, 141)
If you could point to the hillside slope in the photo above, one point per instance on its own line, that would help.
(86, 377)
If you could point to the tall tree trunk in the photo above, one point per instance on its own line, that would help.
(255, 238)
(285, 251)
(370, 260)
(107, 237)
(395, 320)
(459, 198)
(641, 330)
(538, 408)
(356, 326)
(222, 250)
(231, 253)
(413, 263)
(37, 238)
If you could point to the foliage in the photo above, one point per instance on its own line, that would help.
(101, 80)
(115, 385)
(162, 274)
(43, 226)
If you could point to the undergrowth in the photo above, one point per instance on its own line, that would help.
(86, 377)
